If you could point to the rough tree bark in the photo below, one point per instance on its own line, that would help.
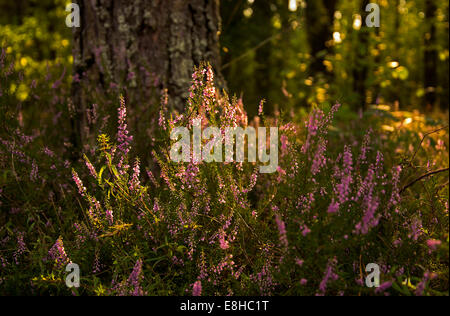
(125, 41)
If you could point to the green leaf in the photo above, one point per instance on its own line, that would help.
(100, 174)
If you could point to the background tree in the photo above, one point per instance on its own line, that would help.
(431, 55)
(319, 25)
(140, 45)
(361, 60)
(266, 51)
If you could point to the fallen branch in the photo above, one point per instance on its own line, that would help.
(429, 174)
(421, 142)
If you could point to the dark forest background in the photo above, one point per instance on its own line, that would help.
(294, 54)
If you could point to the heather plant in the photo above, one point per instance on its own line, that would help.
(138, 223)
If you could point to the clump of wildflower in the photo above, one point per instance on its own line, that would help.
(21, 247)
(422, 285)
(319, 160)
(110, 217)
(134, 182)
(395, 195)
(253, 180)
(224, 244)
(264, 279)
(261, 107)
(415, 229)
(3, 262)
(135, 279)
(365, 147)
(197, 289)
(282, 231)
(34, 171)
(81, 188)
(96, 267)
(329, 275)
(48, 152)
(123, 138)
(333, 208)
(58, 254)
(131, 286)
(90, 167)
(383, 287)
(369, 220)
(433, 244)
(344, 187)
(164, 102)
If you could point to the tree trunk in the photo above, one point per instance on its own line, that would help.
(360, 69)
(431, 55)
(140, 45)
(319, 25)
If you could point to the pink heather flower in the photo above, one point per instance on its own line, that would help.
(48, 152)
(416, 229)
(131, 75)
(261, 107)
(79, 183)
(422, 285)
(344, 187)
(253, 180)
(440, 145)
(303, 282)
(162, 120)
(395, 196)
(34, 171)
(58, 82)
(4, 262)
(224, 245)
(96, 268)
(299, 262)
(379, 163)
(123, 139)
(197, 289)
(164, 102)
(383, 287)
(21, 247)
(313, 126)
(319, 160)
(134, 182)
(433, 244)
(110, 217)
(329, 274)
(58, 254)
(317, 123)
(135, 278)
(209, 92)
(365, 148)
(348, 159)
(306, 231)
(282, 231)
(156, 207)
(333, 208)
(131, 286)
(284, 145)
(152, 178)
(90, 167)
(369, 220)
